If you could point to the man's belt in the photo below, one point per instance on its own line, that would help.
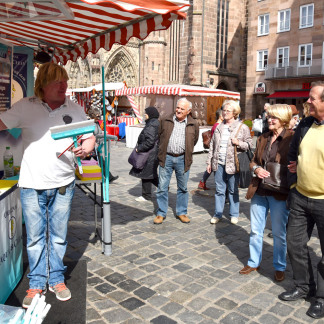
(175, 155)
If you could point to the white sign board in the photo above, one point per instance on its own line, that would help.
(260, 88)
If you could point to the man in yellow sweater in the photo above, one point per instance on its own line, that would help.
(306, 171)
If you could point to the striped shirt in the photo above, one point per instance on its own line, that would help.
(223, 145)
(177, 141)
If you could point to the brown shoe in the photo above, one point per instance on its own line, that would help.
(158, 220)
(279, 275)
(247, 269)
(184, 218)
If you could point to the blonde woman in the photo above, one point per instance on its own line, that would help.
(230, 133)
(272, 146)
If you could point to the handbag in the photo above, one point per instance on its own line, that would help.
(236, 160)
(244, 159)
(257, 125)
(277, 181)
(206, 138)
(139, 159)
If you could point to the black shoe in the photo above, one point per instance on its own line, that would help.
(294, 294)
(112, 179)
(270, 235)
(316, 309)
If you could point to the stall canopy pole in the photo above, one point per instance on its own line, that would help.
(106, 221)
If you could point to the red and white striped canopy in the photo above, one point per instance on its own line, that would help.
(73, 28)
(180, 90)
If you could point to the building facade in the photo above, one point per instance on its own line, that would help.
(285, 52)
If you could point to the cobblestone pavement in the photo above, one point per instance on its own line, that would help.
(175, 272)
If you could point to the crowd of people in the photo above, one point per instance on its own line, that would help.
(287, 166)
(287, 169)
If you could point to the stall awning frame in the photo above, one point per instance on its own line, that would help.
(96, 24)
(180, 90)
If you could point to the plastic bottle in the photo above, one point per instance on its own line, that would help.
(8, 163)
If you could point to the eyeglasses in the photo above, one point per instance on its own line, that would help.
(272, 117)
(227, 111)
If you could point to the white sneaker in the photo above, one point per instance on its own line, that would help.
(234, 220)
(214, 220)
(140, 199)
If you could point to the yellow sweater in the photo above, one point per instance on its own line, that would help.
(310, 167)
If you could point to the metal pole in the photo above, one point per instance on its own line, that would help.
(106, 220)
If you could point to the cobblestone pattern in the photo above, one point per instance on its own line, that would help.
(175, 272)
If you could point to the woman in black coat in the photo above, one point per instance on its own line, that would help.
(146, 141)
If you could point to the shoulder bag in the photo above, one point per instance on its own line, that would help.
(139, 159)
(242, 163)
(206, 138)
(277, 181)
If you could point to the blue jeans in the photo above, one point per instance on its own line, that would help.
(232, 180)
(46, 214)
(162, 195)
(259, 209)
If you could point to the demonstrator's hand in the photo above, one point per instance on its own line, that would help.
(79, 152)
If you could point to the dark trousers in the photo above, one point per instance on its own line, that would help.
(147, 187)
(304, 214)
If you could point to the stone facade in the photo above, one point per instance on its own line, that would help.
(295, 74)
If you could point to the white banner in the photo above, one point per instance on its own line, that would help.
(11, 242)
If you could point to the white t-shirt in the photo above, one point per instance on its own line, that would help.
(40, 167)
(223, 145)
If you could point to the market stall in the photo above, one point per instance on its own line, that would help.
(205, 103)
(62, 30)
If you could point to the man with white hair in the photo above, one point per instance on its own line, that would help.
(306, 168)
(178, 134)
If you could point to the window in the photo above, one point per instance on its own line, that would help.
(282, 56)
(152, 65)
(284, 20)
(306, 18)
(305, 55)
(263, 25)
(262, 60)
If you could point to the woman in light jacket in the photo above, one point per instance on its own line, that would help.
(231, 132)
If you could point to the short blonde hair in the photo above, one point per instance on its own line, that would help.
(282, 112)
(306, 109)
(46, 74)
(233, 104)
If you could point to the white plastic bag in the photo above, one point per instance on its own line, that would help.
(257, 125)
